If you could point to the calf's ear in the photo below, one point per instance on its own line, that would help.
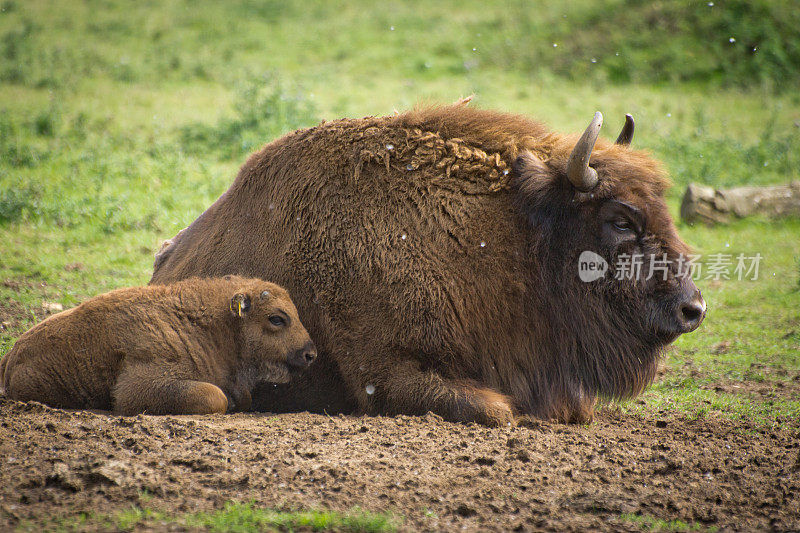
(240, 304)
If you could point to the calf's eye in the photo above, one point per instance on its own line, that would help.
(265, 295)
(276, 320)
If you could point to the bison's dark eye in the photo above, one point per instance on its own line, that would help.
(623, 220)
(277, 321)
(265, 295)
(622, 225)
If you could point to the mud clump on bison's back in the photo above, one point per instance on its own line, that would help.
(542, 475)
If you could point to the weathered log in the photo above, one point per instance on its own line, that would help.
(719, 206)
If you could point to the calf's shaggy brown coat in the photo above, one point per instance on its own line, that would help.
(433, 256)
(195, 347)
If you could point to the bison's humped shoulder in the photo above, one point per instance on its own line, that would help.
(167, 247)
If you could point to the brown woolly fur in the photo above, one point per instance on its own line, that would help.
(433, 257)
(196, 347)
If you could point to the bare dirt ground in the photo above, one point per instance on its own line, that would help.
(433, 474)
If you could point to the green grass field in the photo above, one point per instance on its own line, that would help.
(232, 518)
(120, 122)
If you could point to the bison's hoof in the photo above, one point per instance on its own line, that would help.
(498, 415)
(487, 407)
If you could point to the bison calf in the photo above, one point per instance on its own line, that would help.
(195, 347)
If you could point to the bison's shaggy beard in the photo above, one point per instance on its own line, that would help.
(587, 348)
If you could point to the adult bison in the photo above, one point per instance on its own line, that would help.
(433, 257)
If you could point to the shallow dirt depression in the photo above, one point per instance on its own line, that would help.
(432, 474)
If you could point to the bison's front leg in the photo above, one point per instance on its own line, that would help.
(404, 388)
(239, 398)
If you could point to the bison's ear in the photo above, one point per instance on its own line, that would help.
(240, 304)
(532, 174)
(528, 165)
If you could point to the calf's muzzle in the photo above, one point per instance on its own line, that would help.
(303, 357)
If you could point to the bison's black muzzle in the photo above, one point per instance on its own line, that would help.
(680, 312)
(691, 313)
(303, 357)
(690, 309)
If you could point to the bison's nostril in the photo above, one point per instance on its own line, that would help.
(692, 313)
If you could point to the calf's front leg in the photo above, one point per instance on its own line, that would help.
(151, 390)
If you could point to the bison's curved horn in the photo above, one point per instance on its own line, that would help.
(580, 174)
(626, 135)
